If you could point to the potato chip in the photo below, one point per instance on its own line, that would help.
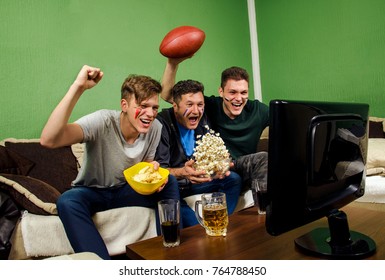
(147, 175)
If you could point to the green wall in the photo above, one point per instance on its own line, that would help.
(44, 43)
(323, 50)
(308, 49)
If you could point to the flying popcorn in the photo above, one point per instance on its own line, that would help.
(210, 154)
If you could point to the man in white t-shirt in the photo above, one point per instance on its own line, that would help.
(114, 140)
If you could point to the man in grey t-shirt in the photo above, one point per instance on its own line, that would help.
(114, 141)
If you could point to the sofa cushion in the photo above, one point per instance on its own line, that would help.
(376, 156)
(31, 194)
(263, 145)
(56, 167)
(13, 163)
(376, 129)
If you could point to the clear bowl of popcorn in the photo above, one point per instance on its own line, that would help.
(211, 155)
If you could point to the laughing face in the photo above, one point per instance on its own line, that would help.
(235, 95)
(137, 118)
(189, 109)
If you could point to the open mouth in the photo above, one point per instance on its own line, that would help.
(145, 122)
(237, 105)
(193, 120)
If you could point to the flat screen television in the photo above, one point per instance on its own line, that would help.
(317, 155)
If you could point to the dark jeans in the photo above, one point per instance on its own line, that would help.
(253, 170)
(76, 207)
(252, 167)
(231, 186)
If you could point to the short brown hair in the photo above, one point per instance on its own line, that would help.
(142, 87)
(234, 73)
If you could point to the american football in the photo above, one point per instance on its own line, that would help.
(182, 41)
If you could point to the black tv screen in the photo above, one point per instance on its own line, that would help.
(317, 156)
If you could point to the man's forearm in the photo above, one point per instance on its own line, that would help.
(168, 81)
(179, 173)
(55, 127)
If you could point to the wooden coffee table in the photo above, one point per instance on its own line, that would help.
(247, 239)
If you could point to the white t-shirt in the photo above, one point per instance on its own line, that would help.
(107, 154)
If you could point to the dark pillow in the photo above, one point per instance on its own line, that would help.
(376, 130)
(30, 194)
(263, 145)
(13, 163)
(57, 167)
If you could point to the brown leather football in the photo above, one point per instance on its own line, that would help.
(182, 41)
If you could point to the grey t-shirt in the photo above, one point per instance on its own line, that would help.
(107, 154)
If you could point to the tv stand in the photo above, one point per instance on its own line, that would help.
(337, 241)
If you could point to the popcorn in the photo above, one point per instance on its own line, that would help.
(210, 154)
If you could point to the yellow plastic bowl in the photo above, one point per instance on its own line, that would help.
(144, 188)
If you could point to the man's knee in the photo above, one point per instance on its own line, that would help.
(172, 188)
(68, 202)
(250, 162)
(235, 178)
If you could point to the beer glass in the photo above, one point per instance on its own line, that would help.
(214, 217)
(169, 217)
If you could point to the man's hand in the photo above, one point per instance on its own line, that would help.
(88, 77)
(222, 175)
(156, 167)
(195, 176)
(176, 61)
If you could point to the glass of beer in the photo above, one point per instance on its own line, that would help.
(169, 217)
(214, 213)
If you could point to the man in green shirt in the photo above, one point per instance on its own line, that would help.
(239, 120)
